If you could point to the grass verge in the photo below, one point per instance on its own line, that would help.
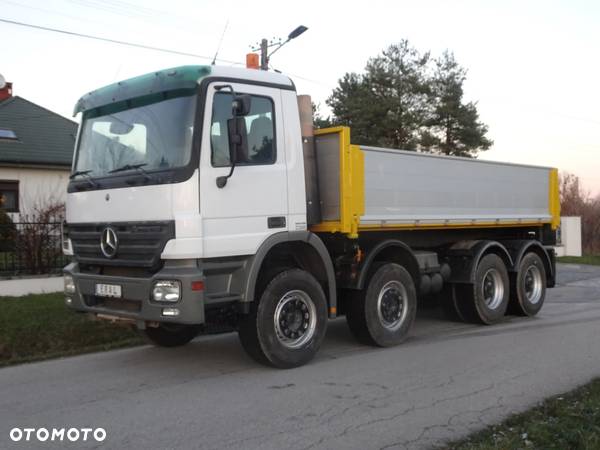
(569, 421)
(593, 260)
(37, 327)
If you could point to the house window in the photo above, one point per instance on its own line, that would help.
(9, 196)
(8, 135)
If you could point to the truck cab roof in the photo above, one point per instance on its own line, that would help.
(174, 79)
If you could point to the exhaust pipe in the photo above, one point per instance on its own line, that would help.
(313, 204)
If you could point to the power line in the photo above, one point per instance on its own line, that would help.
(142, 46)
(36, 8)
(139, 14)
(113, 41)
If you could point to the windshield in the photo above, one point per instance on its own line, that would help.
(155, 136)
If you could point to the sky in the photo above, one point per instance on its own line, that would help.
(533, 66)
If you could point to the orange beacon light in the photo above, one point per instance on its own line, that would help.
(252, 61)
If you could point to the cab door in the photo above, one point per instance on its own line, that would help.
(253, 204)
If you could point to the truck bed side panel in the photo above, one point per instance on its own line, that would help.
(414, 188)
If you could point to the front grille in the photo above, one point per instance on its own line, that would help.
(139, 243)
(114, 304)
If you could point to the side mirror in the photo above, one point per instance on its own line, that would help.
(241, 105)
(238, 145)
(238, 139)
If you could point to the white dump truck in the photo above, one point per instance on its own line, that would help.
(202, 198)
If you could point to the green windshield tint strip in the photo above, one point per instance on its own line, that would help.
(137, 102)
(175, 79)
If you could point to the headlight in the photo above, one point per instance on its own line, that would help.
(69, 284)
(166, 291)
(67, 247)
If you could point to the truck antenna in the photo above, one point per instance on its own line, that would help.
(265, 44)
(220, 42)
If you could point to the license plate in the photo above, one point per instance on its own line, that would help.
(108, 290)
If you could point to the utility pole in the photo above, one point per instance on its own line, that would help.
(264, 57)
(264, 46)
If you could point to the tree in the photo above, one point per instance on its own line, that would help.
(318, 120)
(401, 101)
(387, 104)
(575, 201)
(453, 127)
(572, 197)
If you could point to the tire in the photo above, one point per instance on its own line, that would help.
(383, 313)
(528, 287)
(171, 335)
(486, 300)
(286, 326)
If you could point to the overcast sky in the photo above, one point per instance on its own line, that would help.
(533, 66)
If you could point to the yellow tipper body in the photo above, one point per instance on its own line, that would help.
(346, 213)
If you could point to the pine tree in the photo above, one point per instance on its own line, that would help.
(386, 105)
(405, 100)
(453, 127)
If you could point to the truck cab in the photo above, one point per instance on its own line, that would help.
(154, 238)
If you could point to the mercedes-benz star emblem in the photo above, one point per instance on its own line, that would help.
(109, 242)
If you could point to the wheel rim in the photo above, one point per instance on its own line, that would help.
(493, 288)
(295, 319)
(392, 305)
(533, 284)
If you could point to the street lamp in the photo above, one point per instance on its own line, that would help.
(265, 44)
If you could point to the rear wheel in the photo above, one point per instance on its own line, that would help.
(383, 314)
(171, 334)
(286, 326)
(528, 289)
(486, 300)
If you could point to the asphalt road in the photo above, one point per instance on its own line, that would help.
(449, 379)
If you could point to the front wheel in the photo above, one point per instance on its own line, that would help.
(383, 314)
(286, 326)
(171, 334)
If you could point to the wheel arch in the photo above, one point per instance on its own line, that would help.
(391, 250)
(519, 249)
(301, 249)
(464, 258)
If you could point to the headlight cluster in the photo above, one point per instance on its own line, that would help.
(166, 291)
(67, 247)
(69, 285)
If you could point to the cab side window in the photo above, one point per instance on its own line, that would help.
(260, 126)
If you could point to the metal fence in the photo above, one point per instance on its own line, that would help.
(31, 247)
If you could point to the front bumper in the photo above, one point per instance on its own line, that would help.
(135, 302)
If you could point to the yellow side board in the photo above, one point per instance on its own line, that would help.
(352, 198)
(554, 199)
(352, 185)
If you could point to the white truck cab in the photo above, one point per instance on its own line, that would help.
(200, 197)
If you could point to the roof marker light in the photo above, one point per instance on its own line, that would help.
(252, 61)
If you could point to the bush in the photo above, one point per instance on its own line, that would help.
(576, 201)
(39, 239)
(8, 233)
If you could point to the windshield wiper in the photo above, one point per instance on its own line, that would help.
(129, 167)
(85, 174)
(137, 167)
